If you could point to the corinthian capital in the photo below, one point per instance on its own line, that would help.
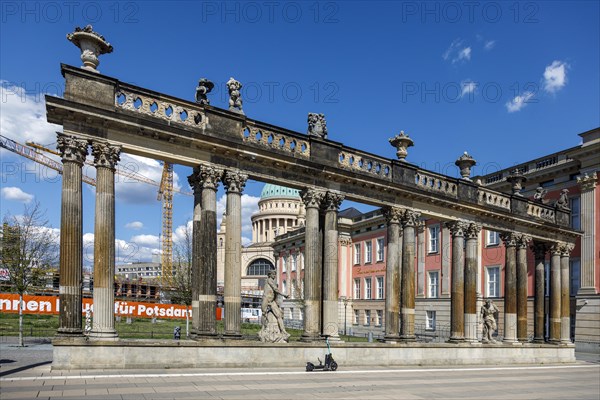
(472, 230)
(71, 148)
(392, 215)
(556, 248)
(588, 182)
(312, 198)
(566, 249)
(509, 239)
(332, 201)
(457, 228)
(105, 155)
(539, 250)
(522, 240)
(205, 177)
(234, 181)
(410, 218)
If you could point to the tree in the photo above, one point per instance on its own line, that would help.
(28, 248)
(182, 276)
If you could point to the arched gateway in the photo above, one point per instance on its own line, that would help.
(225, 146)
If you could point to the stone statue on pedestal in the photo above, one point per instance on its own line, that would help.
(202, 90)
(273, 330)
(235, 97)
(539, 194)
(563, 201)
(317, 125)
(489, 311)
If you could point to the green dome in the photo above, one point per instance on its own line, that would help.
(273, 191)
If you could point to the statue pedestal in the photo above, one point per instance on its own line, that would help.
(271, 333)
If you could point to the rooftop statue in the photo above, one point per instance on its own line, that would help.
(235, 97)
(317, 126)
(539, 194)
(204, 87)
(563, 201)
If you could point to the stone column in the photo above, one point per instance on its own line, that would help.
(105, 160)
(312, 199)
(409, 222)
(457, 299)
(471, 323)
(565, 294)
(421, 259)
(445, 278)
(392, 273)
(539, 250)
(330, 266)
(555, 292)
(73, 152)
(234, 182)
(522, 244)
(510, 287)
(204, 180)
(588, 214)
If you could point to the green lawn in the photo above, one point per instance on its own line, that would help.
(140, 328)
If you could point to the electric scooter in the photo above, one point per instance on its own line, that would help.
(330, 364)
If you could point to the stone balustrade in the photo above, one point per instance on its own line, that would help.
(493, 198)
(272, 140)
(435, 183)
(367, 164)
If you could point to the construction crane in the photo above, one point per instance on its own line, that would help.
(32, 154)
(165, 193)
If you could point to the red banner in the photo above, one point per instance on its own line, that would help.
(9, 303)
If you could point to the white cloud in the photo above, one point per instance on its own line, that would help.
(135, 225)
(555, 76)
(23, 115)
(457, 53)
(468, 87)
(519, 102)
(16, 194)
(489, 44)
(146, 240)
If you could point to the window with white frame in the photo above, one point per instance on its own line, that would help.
(357, 253)
(380, 249)
(380, 287)
(493, 281)
(430, 320)
(433, 284)
(284, 286)
(301, 255)
(368, 251)
(434, 238)
(357, 288)
(356, 317)
(492, 238)
(284, 264)
(575, 203)
(379, 318)
(294, 260)
(368, 288)
(367, 317)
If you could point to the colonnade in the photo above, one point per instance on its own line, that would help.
(320, 261)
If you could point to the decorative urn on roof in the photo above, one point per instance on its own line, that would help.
(401, 142)
(91, 44)
(465, 163)
(517, 179)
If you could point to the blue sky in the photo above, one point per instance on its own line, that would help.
(506, 81)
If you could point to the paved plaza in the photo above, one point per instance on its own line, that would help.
(25, 374)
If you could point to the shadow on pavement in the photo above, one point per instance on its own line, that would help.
(23, 368)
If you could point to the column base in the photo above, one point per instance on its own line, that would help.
(232, 336)
(586, 291)
(408, 338)
(311, 338)
(104, 335)
(553, 341)
(456, 340)
(69, 332)
(203, 335)
(391, 339)
(512, 342)
(334, 338)
(538, 340)
(523, 340)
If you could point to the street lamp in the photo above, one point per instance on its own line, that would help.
(345, 300)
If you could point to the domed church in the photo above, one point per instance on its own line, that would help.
(280, 210)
